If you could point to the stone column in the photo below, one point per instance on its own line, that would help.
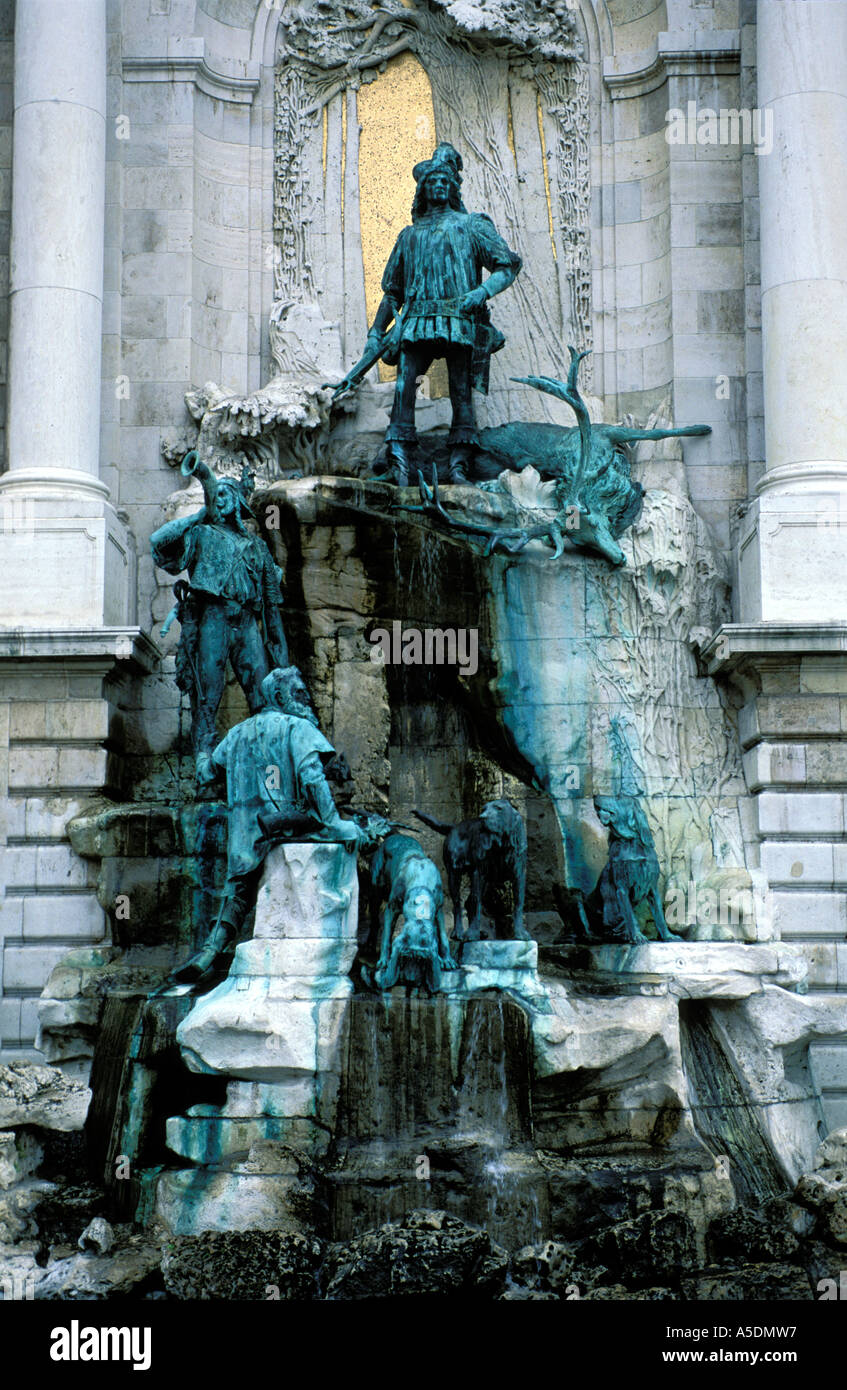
(65, 558)
(793, 554)
(69, 650)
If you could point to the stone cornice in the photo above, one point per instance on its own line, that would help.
(186, 66)
(98, 646)
(735, 643)
(676, 54)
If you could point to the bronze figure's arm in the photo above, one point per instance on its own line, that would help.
(381, 340)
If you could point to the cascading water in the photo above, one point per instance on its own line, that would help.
(724, 1115)
(436, 1112)
(505, 1169)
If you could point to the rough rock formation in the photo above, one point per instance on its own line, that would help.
(35, 1095)
(825, 1189)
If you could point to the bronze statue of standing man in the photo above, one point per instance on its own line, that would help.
(434, 293)
(230, 610)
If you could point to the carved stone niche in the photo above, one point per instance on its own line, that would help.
(362, 93)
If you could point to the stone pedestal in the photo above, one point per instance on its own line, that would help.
(67, 560)
(277, 1016)
(792, 558)
(509, 966)
(276, 1025)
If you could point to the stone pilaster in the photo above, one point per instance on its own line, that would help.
(61, 744)
(793, 730)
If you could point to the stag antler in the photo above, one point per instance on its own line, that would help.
(594, 533)
(511, 538)
(569, 391)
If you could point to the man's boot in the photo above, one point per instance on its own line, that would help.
(399, 454)
(202, 964)
(457, 467)
(208, 961)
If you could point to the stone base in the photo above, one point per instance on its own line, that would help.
(505, 1192)
(191, 1201)
(278, 1015)
(277, 1026)
(792, 558)
(666, 1047)
(66, 558)
(205, 1136)
(308, 890)
(257, 1033)
(688, 969)
(509, 966)
(587, 1193)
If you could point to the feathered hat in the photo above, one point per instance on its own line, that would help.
(444, 159)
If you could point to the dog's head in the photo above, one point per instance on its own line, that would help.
(622, 815)
(498, 816)
(502, 827)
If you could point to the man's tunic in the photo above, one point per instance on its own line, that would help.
(434, 264)
(222, 563)
(266, 758)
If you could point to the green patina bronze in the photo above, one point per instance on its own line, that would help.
(434, 295)
(274, 765)
(230, 610)
(595, 497)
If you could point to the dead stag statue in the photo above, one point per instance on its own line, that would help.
(595, 498)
